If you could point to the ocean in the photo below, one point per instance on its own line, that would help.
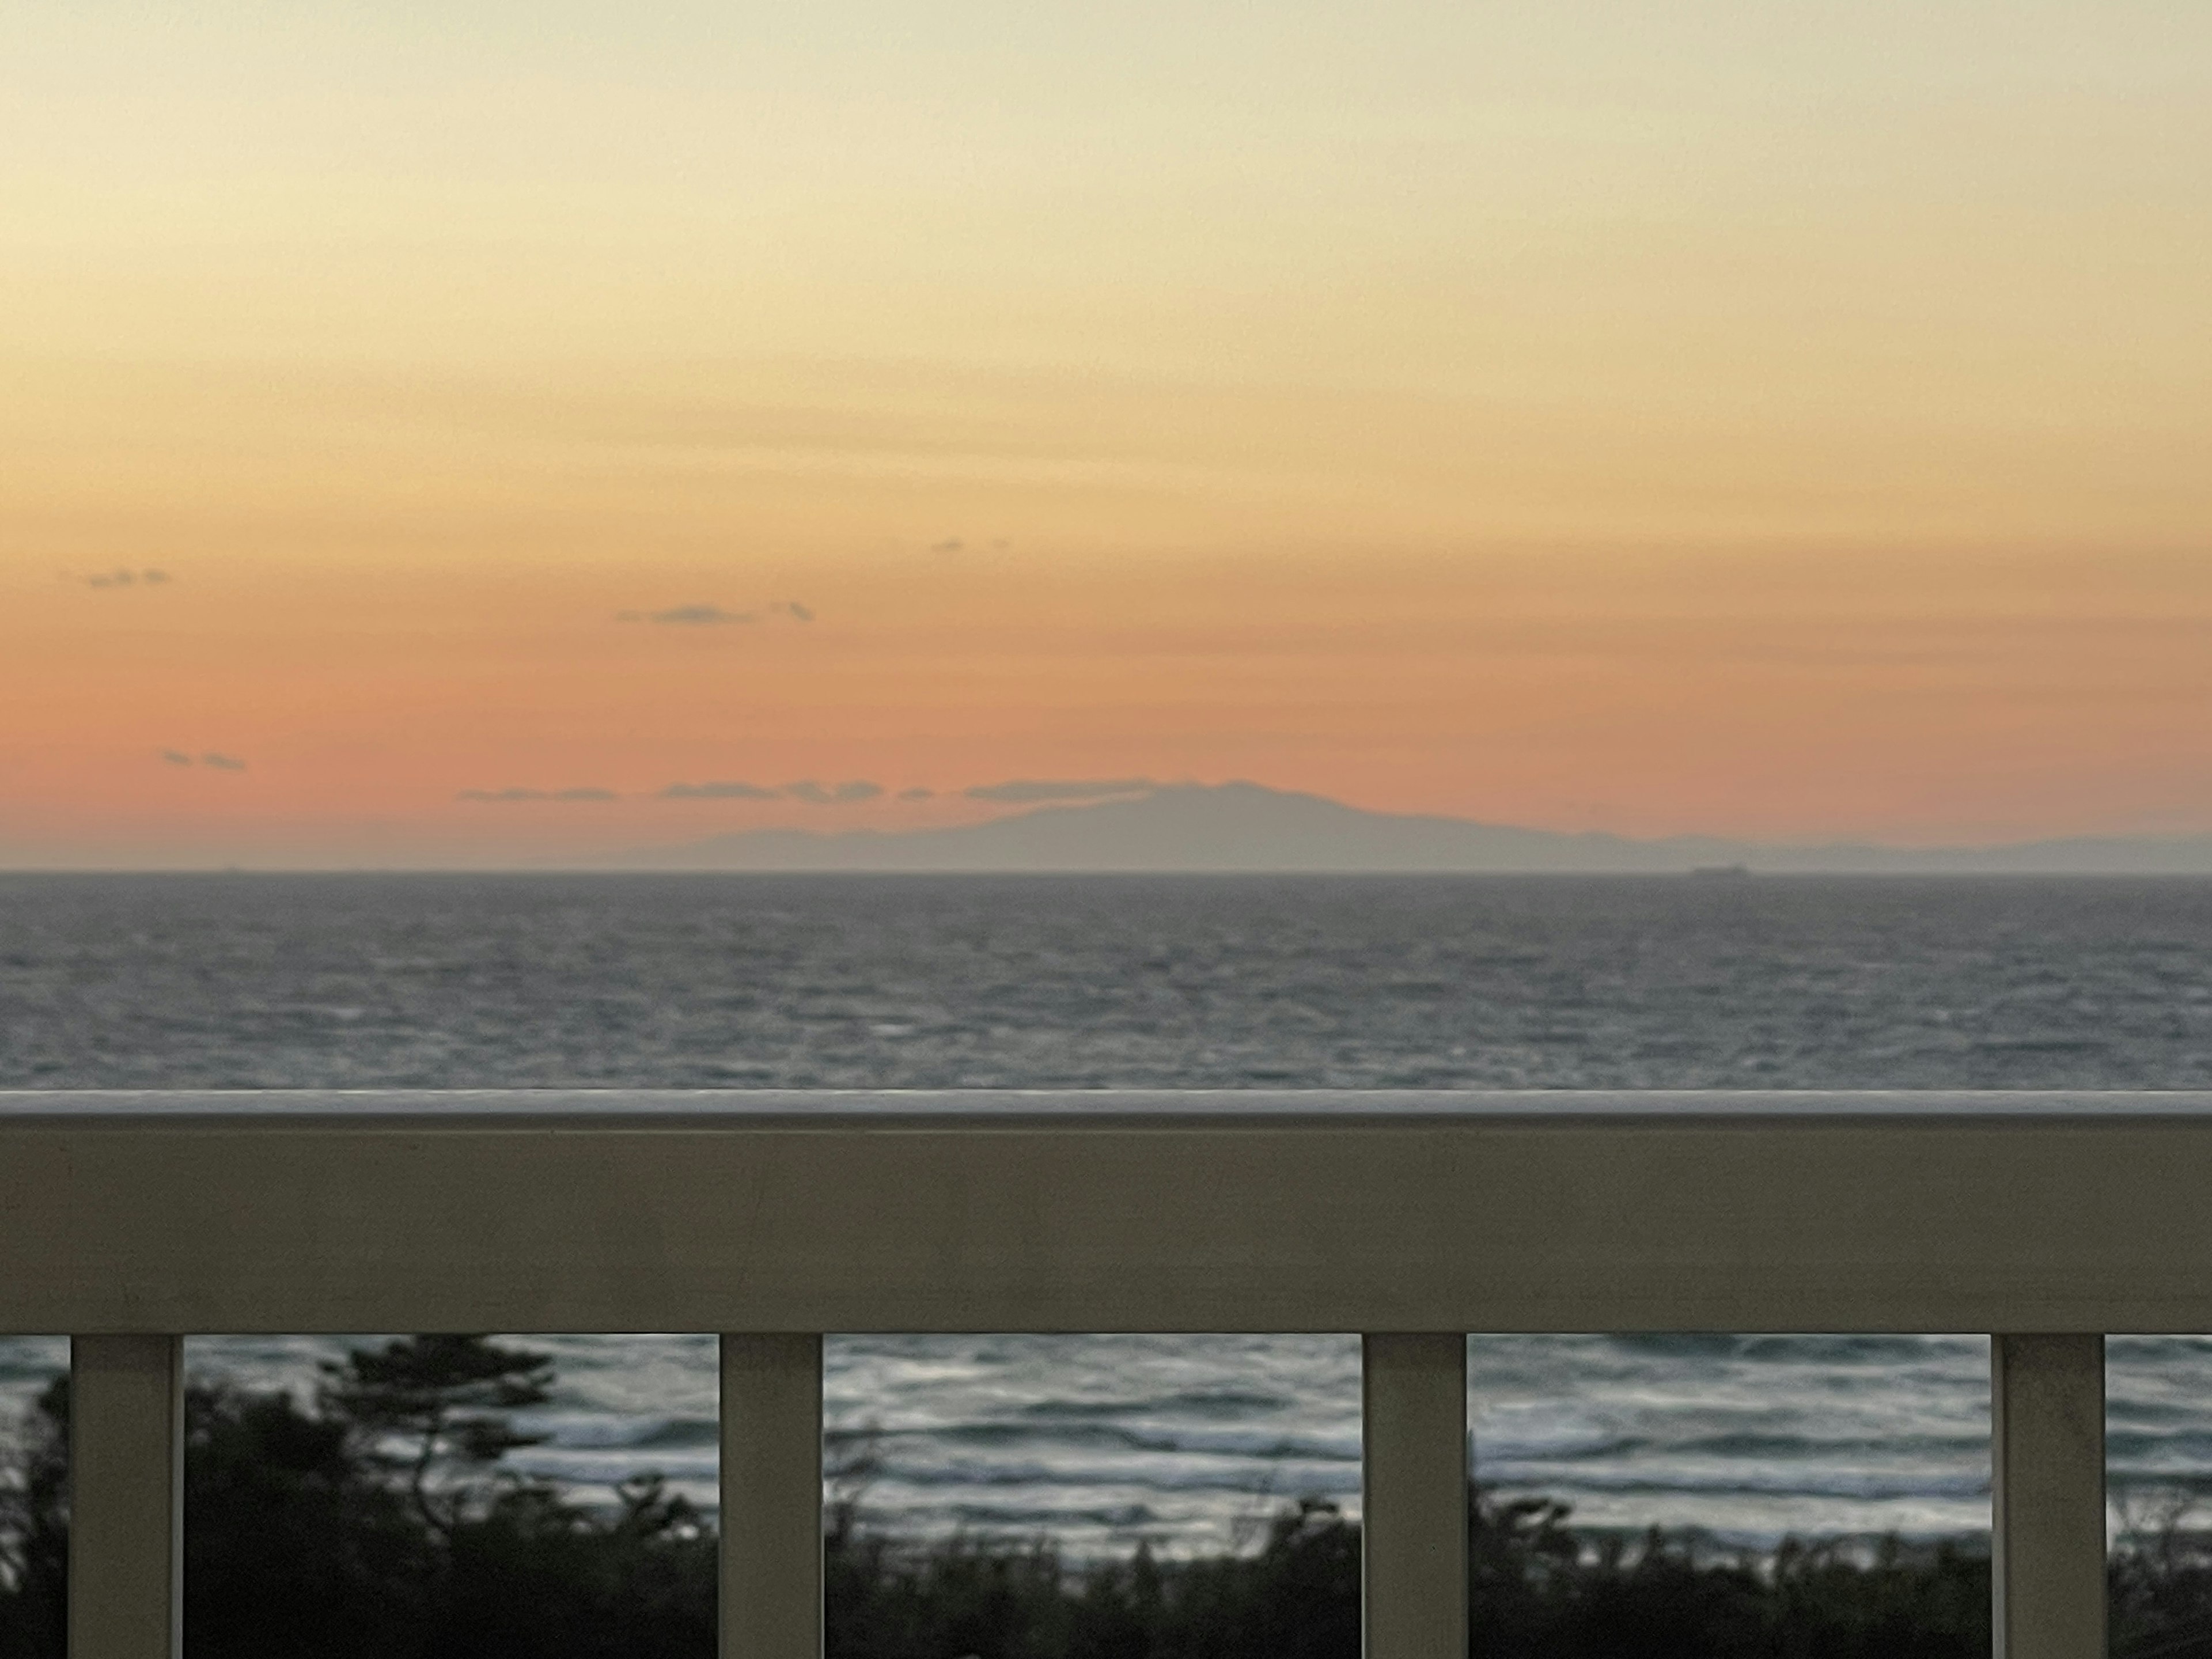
(795, 982)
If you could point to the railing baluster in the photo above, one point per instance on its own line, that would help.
(771, 1597)
(126, 1497)
(1413, 1602)
(2047, 1495)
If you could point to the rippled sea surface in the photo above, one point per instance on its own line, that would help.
(797, 981)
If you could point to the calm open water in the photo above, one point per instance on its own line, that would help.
(247, 982)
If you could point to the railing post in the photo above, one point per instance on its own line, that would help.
(1413, 1497)
(126, 1497)
(771, 1594)
(2047, 1497)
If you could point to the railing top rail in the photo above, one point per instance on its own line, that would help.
(1267, 1210)
(950, 1108)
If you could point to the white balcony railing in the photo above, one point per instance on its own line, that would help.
(127, 1220)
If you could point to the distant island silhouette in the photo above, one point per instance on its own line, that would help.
(1247, 827)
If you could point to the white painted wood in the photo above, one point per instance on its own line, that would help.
(126, 1497)
(1101, 1212)
(2047, 1495)
(771, 1525)
(127, 1216)
(1413, 1497)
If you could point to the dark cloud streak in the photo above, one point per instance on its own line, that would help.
(832, 795)
(124, 577)
(690, 616)
(213, 760)
(717, 789)
(713, 615)
(509, 795)
(1030, 791)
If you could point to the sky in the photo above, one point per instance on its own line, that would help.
(464, 434)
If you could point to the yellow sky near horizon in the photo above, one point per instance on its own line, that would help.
(1789, 423)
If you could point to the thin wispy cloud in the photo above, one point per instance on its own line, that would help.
(717, 789)
(690, 616)
(715, 616)
(832, 795)
(122, 576)
(811, 791)
(1030, 791)
(505, 796)
(213, 759)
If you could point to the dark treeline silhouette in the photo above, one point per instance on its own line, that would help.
(380, 1519)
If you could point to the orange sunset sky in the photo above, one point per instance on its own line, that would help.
(1787, 421)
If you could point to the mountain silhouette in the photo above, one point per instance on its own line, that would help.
(1246, 827)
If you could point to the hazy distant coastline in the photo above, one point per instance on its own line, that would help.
(1246, 827)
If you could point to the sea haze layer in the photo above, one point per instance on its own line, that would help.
(1283, 982)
